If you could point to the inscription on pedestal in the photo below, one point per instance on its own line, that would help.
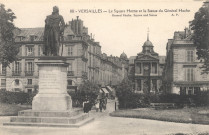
(49, 80)
(52, 81)
(52, 93)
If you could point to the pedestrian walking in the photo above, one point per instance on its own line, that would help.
(100, 105)
(97, 106)
(86, 106)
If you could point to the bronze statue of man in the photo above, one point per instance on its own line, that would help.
(54, 28)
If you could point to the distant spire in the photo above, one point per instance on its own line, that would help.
(148, 34)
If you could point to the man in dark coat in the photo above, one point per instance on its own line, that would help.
(54, 28)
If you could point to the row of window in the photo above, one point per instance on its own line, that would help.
(29, 82)
(189, 90)
(144, 83)
(29, 66)
(29, 51)
(94, 49)
(17, 82)
(145, 67)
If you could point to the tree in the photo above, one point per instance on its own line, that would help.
(8, 50)
(87, 91)
(131, 74)
(200, 25)
(124, 93)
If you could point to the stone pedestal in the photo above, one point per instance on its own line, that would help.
(52, 106)
(52, 93)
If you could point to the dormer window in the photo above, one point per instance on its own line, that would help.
(70, 37)
(20, 38)
(32, 38)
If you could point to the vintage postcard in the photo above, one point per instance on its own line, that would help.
(96, 67)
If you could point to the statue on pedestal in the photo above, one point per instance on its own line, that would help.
(53, 33)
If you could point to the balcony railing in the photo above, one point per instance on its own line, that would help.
(16, 73)
(70, 73)
(29, 73)
(84, 75)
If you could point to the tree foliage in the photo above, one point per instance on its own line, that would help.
(87, 91)
(131, 74)
(200, 26)
(8, 50)
(124, 93)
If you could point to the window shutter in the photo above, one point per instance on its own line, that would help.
(20, 51)
(26, 51)
(185, 74)
(68, 50)
(33, 48)
(39, 49)
(32, 66)
(13, 66)
(193, 75)
(190, 56)
(25, 66)
(187, 56)
(20, 66)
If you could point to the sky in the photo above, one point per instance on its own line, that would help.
(116, 34)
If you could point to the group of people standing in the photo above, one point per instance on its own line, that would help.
(101, 104)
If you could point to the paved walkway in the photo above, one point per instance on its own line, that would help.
(104, 125)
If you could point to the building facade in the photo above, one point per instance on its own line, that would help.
(86, 61)
(182, 73)
(146, 69)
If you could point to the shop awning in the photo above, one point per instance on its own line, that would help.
(109, 88)
(105, 90)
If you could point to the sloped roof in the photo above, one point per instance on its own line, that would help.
(68, 31)
(27, 32)
(189, 37)
(39, 33)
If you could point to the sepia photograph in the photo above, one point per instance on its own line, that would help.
(93, 67)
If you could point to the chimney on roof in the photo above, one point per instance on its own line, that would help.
(77, 26)
(176, 36)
